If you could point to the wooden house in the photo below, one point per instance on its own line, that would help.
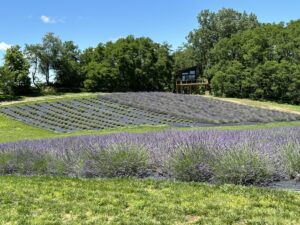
(189, 81)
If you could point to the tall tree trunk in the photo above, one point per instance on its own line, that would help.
(48, 76)
(33, 74)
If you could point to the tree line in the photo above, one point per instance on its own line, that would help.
(239, 56)
(263, 63)
(244, 58)
(129, 64)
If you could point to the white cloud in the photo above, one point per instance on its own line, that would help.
(4, 46)
(47, 19)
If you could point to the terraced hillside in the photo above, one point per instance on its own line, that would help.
(201, 109)
(128, 109)
(88, 114)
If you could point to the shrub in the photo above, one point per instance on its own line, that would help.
(190, 163)
(118, 160)
(27, 162)
(5, 167)
(291, 155)
(242, 166)
(48, 90)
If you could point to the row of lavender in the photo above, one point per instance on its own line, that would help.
(242, 157)
(88, 114)
(129, 109)
(199, 108)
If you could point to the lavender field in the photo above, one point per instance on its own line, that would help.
(199, 108)
(130, 109)
(241, 157)
(90, 114)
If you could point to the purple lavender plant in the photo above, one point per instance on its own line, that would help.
(72, 156)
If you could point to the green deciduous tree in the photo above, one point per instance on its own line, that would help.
(129, 64)
(101, 77)
(51, 49)
(43, 57)
(215, 26)
(269, 60)
(67, 67)
(14, 74)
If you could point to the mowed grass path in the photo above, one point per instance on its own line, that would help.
(48, 98)
(46, 200)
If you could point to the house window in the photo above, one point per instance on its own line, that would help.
(188, 75)
(192, 77)
(185, 76)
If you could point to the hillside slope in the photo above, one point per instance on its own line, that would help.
(119, 110)
(199, 108)
(88, 114)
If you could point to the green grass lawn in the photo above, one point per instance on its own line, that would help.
(21, 100)
(45, 200)
(13, 130)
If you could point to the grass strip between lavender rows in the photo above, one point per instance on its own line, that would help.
(13, 130)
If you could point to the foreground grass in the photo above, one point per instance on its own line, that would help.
(45, 200)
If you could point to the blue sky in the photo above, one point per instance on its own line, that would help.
(88, 22)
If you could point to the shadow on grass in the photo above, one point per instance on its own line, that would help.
(6, 98)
